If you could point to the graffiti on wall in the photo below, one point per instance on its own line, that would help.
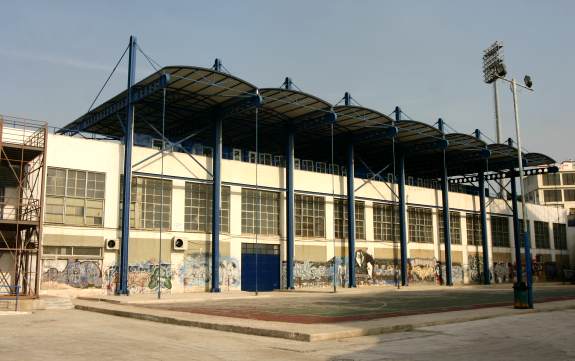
(421, 270)
(196, 271)
(368, 271)
(62, 273)
(317, 274)
(456, 273)
(145, 277)
(503, 272)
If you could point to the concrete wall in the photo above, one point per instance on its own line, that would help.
(316, 259)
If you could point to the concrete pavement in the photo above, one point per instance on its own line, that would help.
(75, 335)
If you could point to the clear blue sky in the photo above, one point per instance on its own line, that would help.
(424, 56)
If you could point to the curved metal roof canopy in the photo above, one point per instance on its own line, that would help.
(195, 96)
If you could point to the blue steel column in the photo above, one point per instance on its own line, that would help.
(216, 203)
(483, 210)
(290, 207)
(481, 177)
(351, 214)
(446, 220)
(127, 183)
(402, 210)
(516, 234)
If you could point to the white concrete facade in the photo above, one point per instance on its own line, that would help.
(187, 270)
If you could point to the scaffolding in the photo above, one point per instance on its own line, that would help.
(22, 174)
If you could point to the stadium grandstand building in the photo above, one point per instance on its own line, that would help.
(196, 180)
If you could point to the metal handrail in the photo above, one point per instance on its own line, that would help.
(22, 131)
(17, 209)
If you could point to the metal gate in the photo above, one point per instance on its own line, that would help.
(260, 267)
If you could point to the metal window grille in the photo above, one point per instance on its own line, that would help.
(198, 208)
(149, 210)
(560, 235)
(268, 204)
(551, 179)
(568, 178)
(499, 231)
(75, 197)
(340, 218)
(420, 225)
(386, 222)
(473, 223)
(552, 195)
(541, 234)
(310, 216)
(454, 227)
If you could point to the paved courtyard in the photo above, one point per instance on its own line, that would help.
(309, 308)
(78, 335)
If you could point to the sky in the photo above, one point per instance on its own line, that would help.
(424, 56)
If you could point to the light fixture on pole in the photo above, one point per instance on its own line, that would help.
(526, 238)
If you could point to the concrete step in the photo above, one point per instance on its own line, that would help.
(57, 303)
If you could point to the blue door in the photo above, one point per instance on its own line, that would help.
(260, 267)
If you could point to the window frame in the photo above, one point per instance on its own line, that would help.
(420, 221)
(473, 232)
(139, 209)
(312, 224)
(204, 211)
(541, 230)
(266, 204)
(386, 225)
(560, 242)
(454, 231)
(341, 216)
(500, 237)
(77, 189)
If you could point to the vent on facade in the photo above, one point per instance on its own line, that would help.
(179, 244)
(112, 244)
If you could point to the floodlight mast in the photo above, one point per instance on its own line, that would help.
(492, 63)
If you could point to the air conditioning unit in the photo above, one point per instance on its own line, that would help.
(179, 244)
(112, 244)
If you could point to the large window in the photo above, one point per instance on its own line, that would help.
(552, 195)
(198, 208)
(499, 231)
(454, 227)
(309, 216)
(151, 203)
(541, 234)
(551, 179)
(75, 197)
(568, 179)
(569, 195)
(420, 225)
(340, 217)
(386, 222)
(560, 235)
(268, 204)
(473, 223)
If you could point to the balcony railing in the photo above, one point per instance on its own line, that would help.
(20, 131)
